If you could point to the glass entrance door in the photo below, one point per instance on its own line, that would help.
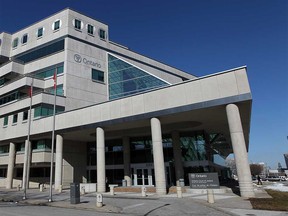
(142, 176)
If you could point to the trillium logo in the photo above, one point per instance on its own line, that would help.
(77, 58)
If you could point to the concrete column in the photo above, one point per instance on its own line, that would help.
(101, 176)
(240, 151)
(26, 166)
(11, 164)
(58, 162)
(158, 156)
(127, 160)
(177, 156)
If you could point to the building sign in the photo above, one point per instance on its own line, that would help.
(204, 180)
(78, 58)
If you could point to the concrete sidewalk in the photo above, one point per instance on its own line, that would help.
(133, 203)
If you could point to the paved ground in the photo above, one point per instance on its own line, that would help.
(128, 204)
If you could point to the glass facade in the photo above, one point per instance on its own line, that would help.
(11, 97)
(20, 147)
(59, 90)
(41, 52)
(4, 149)
(41, 145)
(126, 79)
(43, 74)
(46, 110)
(3, 81)
(193, 145)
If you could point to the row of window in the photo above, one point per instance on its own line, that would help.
(193, 144)
(46, 73)
(3, 81)
(39, 34)
(78, 25)
(15, 118)
(39, 111)
(42, 74)
(11, 97)
(36, 145)
(40, 52)
(46, 110)
(18, 94)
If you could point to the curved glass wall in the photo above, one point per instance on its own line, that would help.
(125, 79)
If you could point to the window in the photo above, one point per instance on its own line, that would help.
(25, 115)
(90, 29)
(41, 144)
(4, 149)
(24, 38)
(40, 32)
(77, 24)
(41, 52)
(46, 110)
(3, 81)
(56, 25)
(11, 97)
(20, 147)
(5, 121)
(15, 43)
(59, 90)
(97, 75)
(126, 79)
(102, 34)
(46, 73)
(15, 118)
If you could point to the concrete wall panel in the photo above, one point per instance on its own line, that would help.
(227, 85)
(209, 88)
(242, 82)
(193, 92)
(137, 104)
(126, 107)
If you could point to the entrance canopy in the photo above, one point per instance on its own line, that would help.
(197, 104)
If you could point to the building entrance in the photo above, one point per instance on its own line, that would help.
(143, 176)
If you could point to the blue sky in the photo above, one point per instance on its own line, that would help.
(200, 37)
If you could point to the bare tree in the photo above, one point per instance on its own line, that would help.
(230, 162)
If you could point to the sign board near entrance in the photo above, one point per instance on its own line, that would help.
(204, 180)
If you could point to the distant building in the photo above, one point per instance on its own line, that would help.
(286, 160)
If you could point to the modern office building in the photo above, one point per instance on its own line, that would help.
(286, 160)
(120, 115)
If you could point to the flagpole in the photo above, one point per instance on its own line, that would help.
(53, 135)
(28, 150)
